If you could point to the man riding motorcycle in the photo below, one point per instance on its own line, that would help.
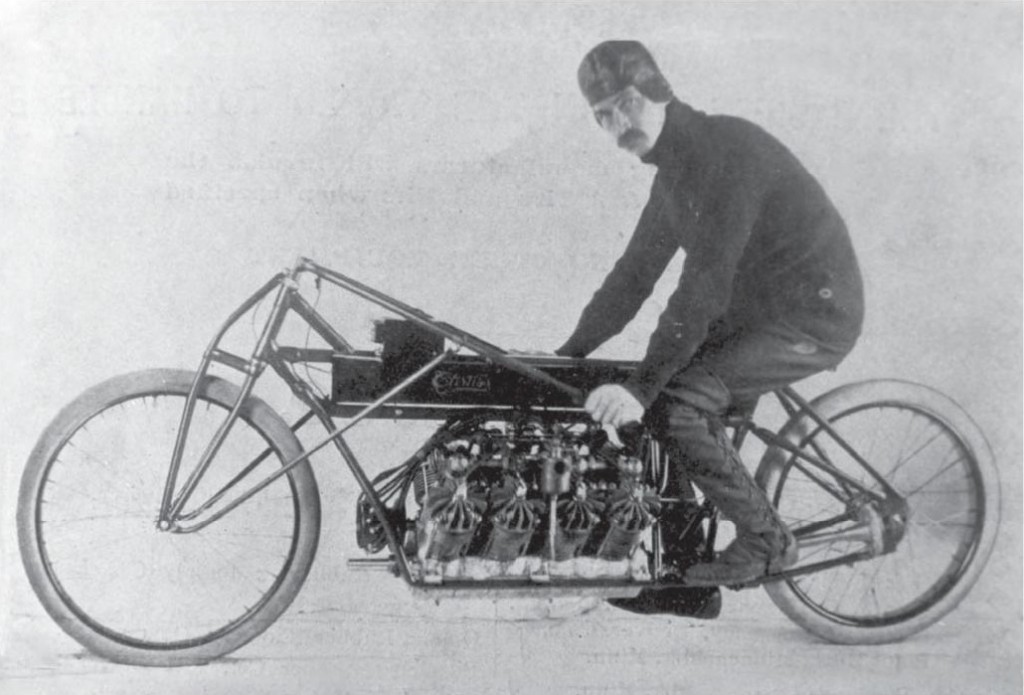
(770, 293)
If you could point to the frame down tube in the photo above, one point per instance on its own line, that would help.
(279, 358)
(267, 352)
(335, 435)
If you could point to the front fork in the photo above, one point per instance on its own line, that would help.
(171, 505)
(267, 353)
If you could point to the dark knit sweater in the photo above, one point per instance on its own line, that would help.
(763, 245)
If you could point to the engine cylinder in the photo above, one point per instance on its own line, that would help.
(448, 523)
(512, 527)
(530, 495)
(577, 518)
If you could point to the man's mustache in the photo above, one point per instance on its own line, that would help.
(631, 137)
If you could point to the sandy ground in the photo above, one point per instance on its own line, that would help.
(351, 637)
(364, 632)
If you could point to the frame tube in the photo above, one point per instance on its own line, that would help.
(190, 401)
(281, 359)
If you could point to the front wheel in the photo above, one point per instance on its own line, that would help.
(88, 510)
(928, 449)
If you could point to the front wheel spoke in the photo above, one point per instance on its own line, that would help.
(97, 556)
(82, 548)
(81, 580)
(260, 548)
(238, 571)
(109, 474)
(101, 502)
(128, 518)
(248, 534)
(208, 558)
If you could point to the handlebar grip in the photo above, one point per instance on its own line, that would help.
(631, 433)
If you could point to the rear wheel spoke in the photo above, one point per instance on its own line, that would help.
(915, 453)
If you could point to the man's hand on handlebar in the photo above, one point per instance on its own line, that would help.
(613, 405)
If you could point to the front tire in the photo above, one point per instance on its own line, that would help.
(87, 512)
(930, 450)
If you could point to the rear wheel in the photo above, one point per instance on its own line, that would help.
(87, 521)
(930, 451)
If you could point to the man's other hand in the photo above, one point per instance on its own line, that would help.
(613, 405)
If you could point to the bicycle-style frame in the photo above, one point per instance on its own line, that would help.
(872, 521)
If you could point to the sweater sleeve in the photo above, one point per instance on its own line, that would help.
(732, 201)
(629, 283)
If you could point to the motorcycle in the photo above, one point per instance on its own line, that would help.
(168, 517)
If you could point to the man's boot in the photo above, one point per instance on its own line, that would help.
(701, 602)
(763, 544)
(704, 603)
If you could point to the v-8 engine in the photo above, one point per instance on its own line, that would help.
(531, 498)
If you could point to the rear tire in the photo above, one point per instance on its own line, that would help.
(87, 511)
(930, 450)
